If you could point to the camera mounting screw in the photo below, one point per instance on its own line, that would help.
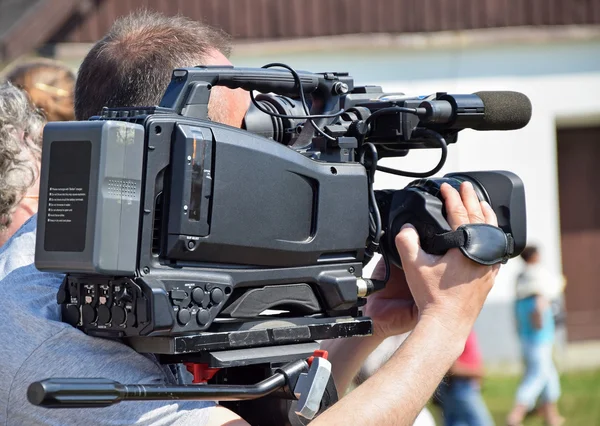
(340, 88)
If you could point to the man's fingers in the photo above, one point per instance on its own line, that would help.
(455, 210)
(407, 243)
(489, 214)
(471, 202)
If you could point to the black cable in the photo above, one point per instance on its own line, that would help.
(309, 117)
(380, 284)
(375, 218)
(374, 214)
(443, 146)
(390, 109)
(298, 117)
(303, 98)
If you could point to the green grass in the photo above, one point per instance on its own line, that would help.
(579, 403)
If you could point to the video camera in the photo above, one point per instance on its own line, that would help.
(234, 251)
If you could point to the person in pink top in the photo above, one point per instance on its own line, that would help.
(460, 394)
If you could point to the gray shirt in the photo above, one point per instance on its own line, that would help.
(35, 344)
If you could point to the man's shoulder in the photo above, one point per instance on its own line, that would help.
(37, 345)
(27, 295)
(29, 313)
(69, 353)
(19, 250)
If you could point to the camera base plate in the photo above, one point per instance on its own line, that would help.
(259, 333)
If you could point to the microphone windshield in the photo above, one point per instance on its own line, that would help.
(504, 111)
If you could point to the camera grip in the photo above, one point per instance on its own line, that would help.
(267, 81)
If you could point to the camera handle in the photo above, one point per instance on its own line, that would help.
(304, 381)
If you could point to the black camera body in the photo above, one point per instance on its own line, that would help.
(223, 223)
(194, 240)
(178, 233)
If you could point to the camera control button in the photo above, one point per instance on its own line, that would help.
(118, 315)
(103, 314)
(217, 296)
(203, 316)
(184, 316)
(88, 313)
(198, 295)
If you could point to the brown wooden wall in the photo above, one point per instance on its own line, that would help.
(273, 19)
(578, 154)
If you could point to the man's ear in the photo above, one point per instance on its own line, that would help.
(227, 106)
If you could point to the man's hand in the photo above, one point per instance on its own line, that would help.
(449, 292)
(450, 289)
(393, 309)
(393, 312)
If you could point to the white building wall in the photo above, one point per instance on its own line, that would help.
(563, 82)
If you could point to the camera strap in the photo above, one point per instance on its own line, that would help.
(482, 243)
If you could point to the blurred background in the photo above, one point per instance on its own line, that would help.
(547, 49)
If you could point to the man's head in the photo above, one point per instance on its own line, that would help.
(531, 255)
(133, 63)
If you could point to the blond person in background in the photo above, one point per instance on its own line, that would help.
(50, 85)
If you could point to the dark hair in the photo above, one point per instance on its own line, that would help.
(50, 85)
(133, 63)
(529, 252)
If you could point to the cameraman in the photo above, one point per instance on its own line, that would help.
(440, 297)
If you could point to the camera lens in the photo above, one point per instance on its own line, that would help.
(432, 186)
(280, 129)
